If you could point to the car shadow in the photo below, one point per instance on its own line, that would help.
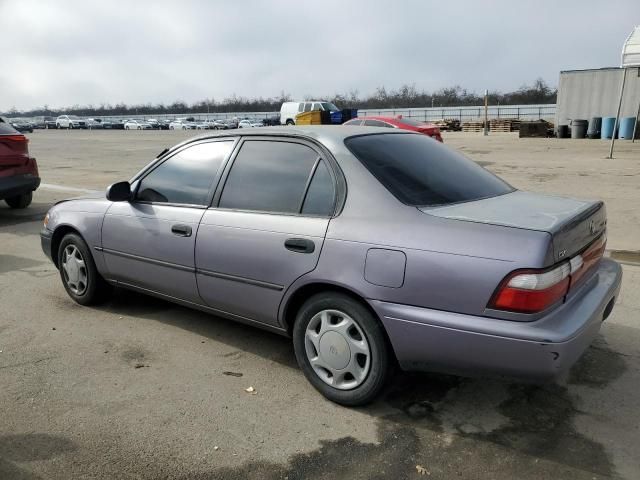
(35, 212)
(18, 449)
(427, 414)
(240, 337)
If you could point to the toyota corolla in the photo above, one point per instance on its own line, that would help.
(369, 247)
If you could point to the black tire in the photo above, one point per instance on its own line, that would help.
(290, 122)
(381, 357)
(20, 201)
(97, 289)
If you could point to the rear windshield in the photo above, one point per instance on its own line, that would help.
(420, 171)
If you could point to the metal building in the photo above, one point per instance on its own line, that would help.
(583, 94)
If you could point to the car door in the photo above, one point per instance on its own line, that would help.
(266, 227)
(149, 242)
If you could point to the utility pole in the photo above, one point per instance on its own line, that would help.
(635, 126)
(486, 112)
(615, 125)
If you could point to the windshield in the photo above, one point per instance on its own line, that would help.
(419, 171)
(73, 117)
(329, 106)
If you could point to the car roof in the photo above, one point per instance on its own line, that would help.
(321, 133)
(324, 134)
(393, 120)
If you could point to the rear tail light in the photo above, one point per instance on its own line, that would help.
(17, 143)
(588, 259)
(532, 291)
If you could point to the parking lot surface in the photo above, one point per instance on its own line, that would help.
(143, 389)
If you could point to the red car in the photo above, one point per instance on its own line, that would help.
(399, 122)
(18, 171)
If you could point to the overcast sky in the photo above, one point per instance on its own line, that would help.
(67, 52)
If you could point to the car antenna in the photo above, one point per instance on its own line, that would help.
(162, 152)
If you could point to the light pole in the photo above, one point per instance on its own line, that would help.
(486, 112)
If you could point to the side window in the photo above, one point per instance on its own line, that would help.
(187, 176)
(354, 122)
(307, 107)
(268, 176)
(300, 107)
(320, 196)
(316, 106)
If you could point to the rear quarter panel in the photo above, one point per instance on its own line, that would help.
(451, 265)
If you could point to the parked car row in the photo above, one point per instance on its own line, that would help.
(289, 109)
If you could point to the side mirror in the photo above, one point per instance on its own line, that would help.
(119, 192)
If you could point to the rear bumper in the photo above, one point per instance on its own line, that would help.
(18, 185)
(433, 340)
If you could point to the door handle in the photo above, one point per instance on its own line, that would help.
(299, 245)
(181, 230)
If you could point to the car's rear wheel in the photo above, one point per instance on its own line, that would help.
(78, 272)
(20, 201)
(290, 122)
(341, 348)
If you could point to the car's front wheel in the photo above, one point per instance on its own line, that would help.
(342, 348)
(20, 201)
(78, 272)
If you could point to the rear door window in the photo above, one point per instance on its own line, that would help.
(187, 176)
(421, 172)
(307, 107)
(273, 176)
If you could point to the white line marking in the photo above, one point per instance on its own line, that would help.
(63, 188)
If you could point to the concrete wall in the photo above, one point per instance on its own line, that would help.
(594, 93)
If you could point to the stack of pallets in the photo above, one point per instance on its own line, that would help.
(447, 124)
(473, 126)
(504, 125)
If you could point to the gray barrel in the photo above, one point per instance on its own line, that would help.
(595, 127)
(579, 128)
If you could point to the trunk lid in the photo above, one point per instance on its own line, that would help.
(573, 224)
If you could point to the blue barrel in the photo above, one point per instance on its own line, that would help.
(626, 127)
(608, 124)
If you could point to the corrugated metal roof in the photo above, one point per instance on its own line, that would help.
(589, 69)
(631, 50)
